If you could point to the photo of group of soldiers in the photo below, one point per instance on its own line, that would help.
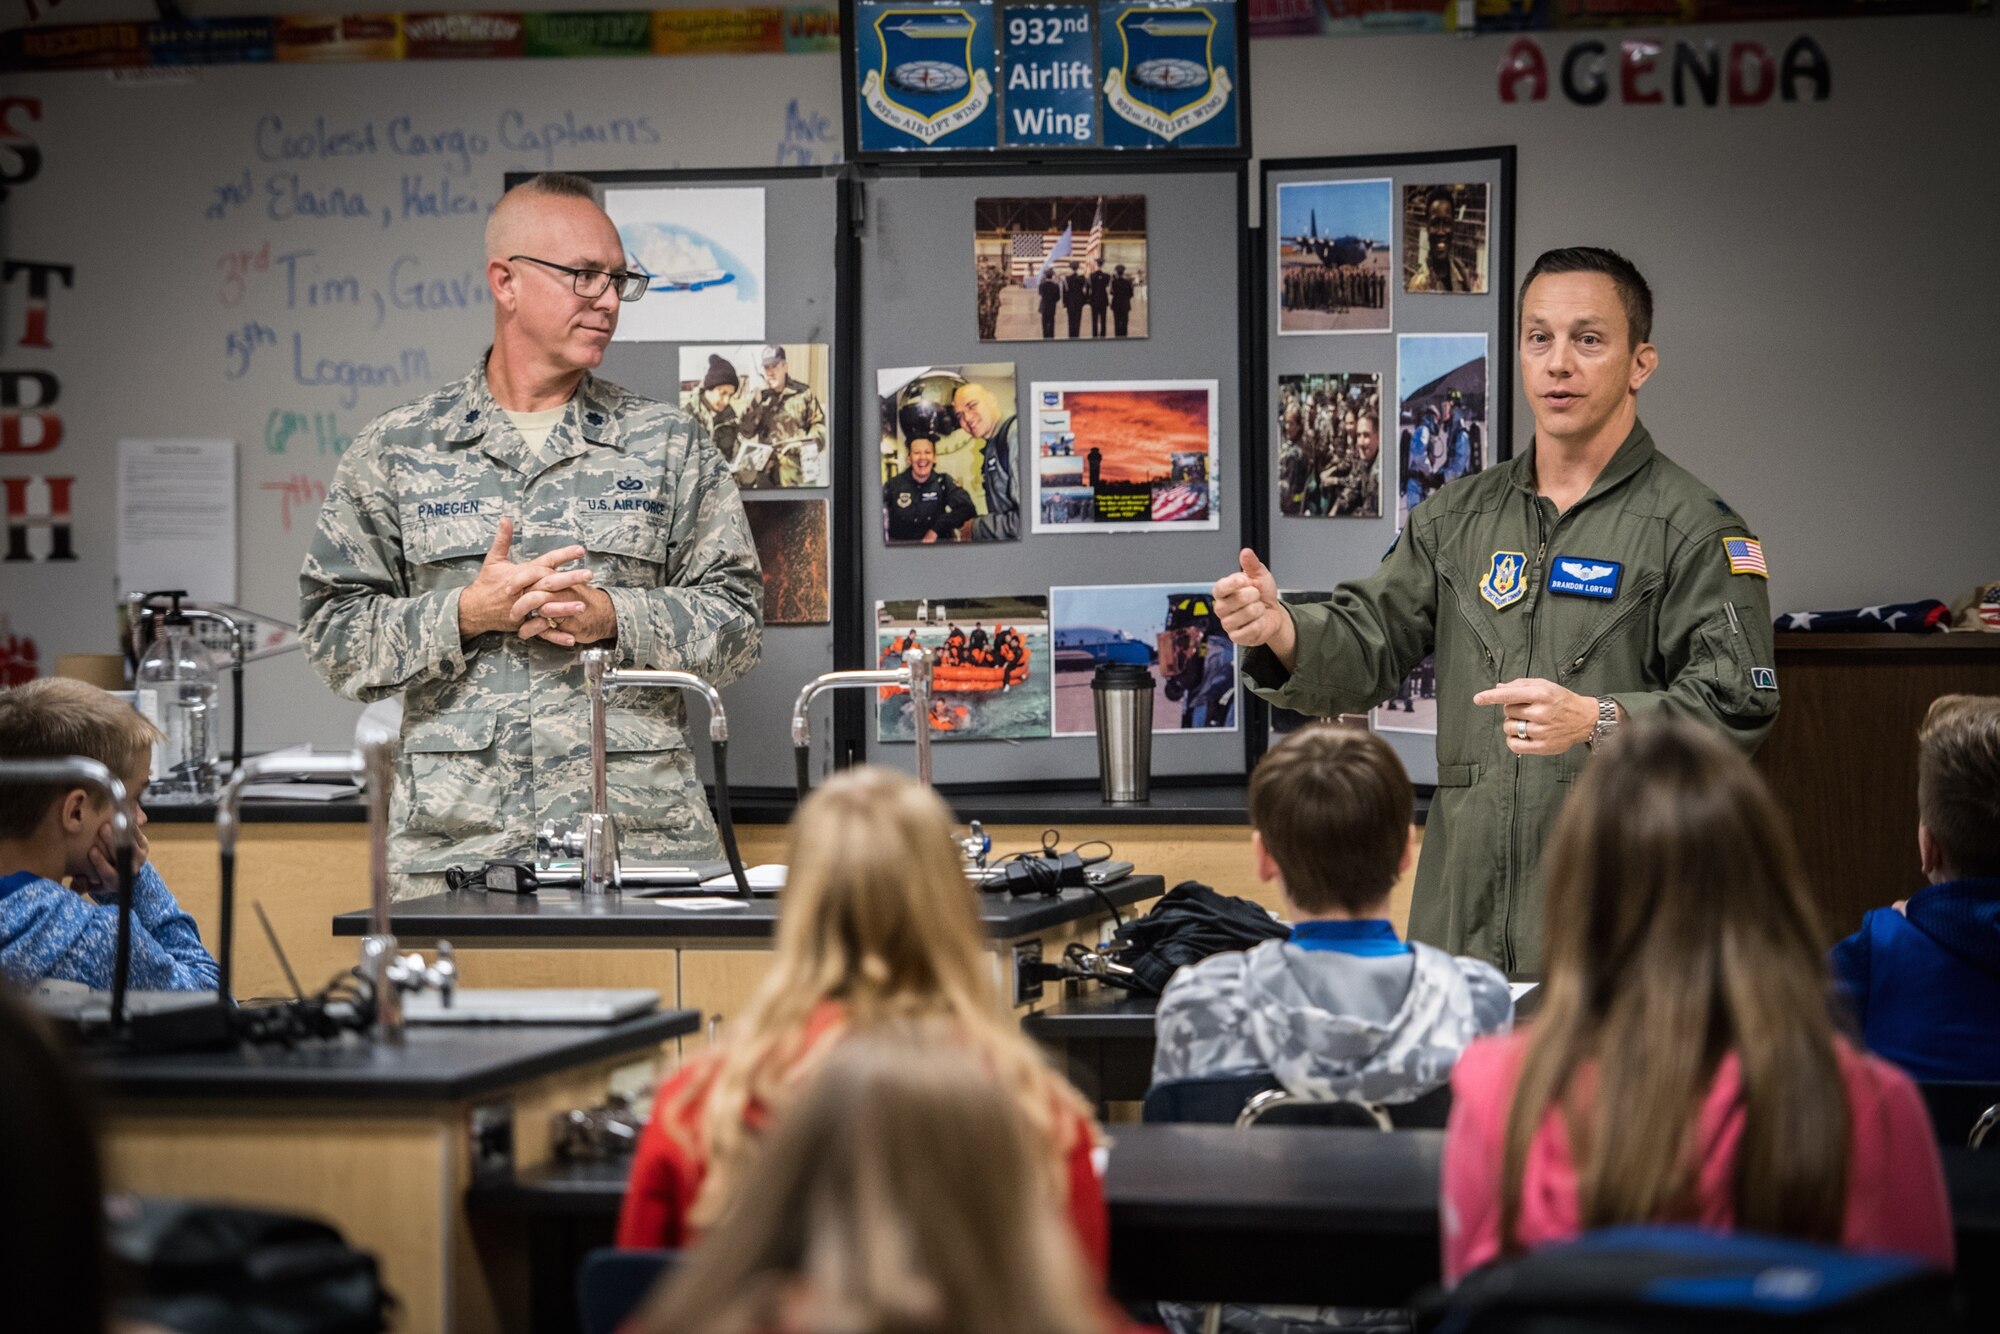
(1061, 267)
(765, 409)
(1444, 238)
(1443, 413)
(1333, 273)
(1332, 290)
(1413, 708)
(1330, 445)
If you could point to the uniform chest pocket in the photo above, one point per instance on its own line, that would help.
(628, 547)
(440, 541)
(454, 781)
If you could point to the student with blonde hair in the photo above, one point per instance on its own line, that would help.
(878, 926)
(1684, 1067)
(49, 834)
(901, 1193)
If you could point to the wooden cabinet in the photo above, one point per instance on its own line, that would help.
(1842, 758)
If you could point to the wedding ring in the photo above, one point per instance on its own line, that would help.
(1521, 729)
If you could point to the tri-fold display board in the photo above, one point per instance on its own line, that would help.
(1013, 412)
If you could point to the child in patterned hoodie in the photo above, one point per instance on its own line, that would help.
(49, 931)
(1344, 1009)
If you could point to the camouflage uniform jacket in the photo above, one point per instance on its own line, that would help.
(1329, 1026)
(787, 418)
(495, 733)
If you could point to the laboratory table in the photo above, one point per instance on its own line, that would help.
(381, 1139)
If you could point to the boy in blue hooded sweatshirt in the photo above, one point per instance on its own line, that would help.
(1923, 977)
(49, 931)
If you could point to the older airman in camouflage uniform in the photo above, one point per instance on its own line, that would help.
(788, 415)
(412, 552)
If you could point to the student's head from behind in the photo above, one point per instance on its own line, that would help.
(880, 922)
(54, 717)
(1586, 330)
(1681, 931)
(876, 907)
(902, 1191)
(1958, 787)
(1330, 812)
(52, 1258)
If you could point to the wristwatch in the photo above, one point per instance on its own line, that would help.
(1607, 719)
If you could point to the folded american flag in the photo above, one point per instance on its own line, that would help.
(1923, 617)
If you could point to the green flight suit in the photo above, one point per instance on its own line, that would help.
(1681, 635)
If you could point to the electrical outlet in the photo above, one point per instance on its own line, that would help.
(1027, 987)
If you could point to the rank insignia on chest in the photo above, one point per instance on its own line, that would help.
(1503, 585)
(903, 500)
(1583, 577)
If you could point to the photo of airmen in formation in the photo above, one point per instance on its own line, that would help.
(1061, 267)
(948, 454)
(1442, 379)
(765, 408)
(1413, 708)
(1444, 238)
(991, 673)
(1330, 446)
(1333, 256)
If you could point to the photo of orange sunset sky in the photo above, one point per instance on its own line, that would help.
(1138, 430)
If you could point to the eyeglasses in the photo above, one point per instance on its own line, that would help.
(590, 283)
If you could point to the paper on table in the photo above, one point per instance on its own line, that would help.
(765, 875)
(1520, 989)
(177, 517)
(705, 903)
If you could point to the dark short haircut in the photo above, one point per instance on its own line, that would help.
(1440, 192)
(1633, 293)
(1958, 781)
(1333, 806)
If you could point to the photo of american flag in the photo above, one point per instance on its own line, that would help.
(1019, 243)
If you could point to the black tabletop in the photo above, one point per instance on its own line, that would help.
(1040, 803)
(561, 914)
(433, 1063)
(1275, 1214)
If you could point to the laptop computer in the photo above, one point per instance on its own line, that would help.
(531, 1005)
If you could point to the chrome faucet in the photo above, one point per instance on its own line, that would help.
(597, 842)
(914, 676)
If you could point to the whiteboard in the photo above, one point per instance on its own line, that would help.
(274, 255)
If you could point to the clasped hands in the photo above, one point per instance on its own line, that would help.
(536, 599)
(1553, 718)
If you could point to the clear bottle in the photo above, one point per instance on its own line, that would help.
(177, 687)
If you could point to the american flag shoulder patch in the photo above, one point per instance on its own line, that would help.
(1746, 556)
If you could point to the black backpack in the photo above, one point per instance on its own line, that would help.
(1190, 922)
(1637, 1280)
(200, 1268)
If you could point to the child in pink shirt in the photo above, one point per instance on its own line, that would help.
(1684, 1067)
